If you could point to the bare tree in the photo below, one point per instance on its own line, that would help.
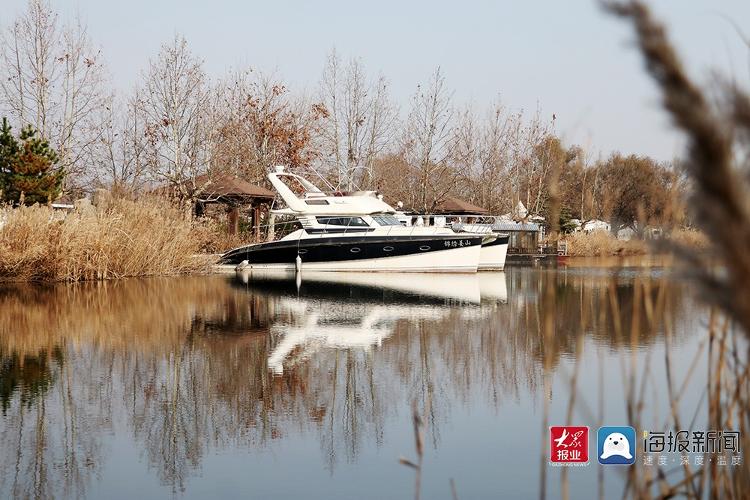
(53, 79)
(119, 160)
(259, 124)
(174, 103)
(498, 156)
(426, 142)
(530, 167)
(464, 153)
(358, 124)
(484, 152)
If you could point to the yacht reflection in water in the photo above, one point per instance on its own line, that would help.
(360, 310)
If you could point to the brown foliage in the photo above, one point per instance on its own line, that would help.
(633, 189)
(260, 125)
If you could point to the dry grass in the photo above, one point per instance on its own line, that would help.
(603, 244)
(126, 238)
(212, 237)
(690, 238)
(418, 426)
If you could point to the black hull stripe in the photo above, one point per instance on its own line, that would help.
(503, 239)
(345, 249)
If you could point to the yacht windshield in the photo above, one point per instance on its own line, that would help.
(386, 220)
(342, 221)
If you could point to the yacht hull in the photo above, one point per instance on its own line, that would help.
(454, 253)
(492, 255)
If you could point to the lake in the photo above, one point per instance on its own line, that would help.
(267, 386)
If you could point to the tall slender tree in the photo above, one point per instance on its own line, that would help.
(174, 103)
(358, 122)
(426, 142)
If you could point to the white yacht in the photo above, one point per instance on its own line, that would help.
(354, 232)
(494, 246)
(494, 252)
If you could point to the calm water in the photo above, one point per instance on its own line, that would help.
(267, 387)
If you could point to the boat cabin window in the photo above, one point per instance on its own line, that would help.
(342, 221)
(386, 220)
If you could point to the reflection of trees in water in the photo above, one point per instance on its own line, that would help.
(602, 306)
(56, 415)
(185, 362)
(207, 393)
(52, 424)
(30, 375)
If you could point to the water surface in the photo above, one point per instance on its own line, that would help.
(265, 386)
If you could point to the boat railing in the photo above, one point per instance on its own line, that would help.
(280, 228)
(459, 222)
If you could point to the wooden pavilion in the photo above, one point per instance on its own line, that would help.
(456, 206)
(235, 194)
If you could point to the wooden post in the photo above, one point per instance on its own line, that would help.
(234, 219)
(256, 221)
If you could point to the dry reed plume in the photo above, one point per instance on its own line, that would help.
(126, 238)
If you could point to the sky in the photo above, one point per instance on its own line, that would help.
(566, 58)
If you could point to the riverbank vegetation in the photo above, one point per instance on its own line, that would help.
(605, 244)
(123, 239)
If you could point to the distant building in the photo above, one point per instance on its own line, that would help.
(520, 212)
(596, 225)
(525, 238)
(574, 225)
(626, 234)
(456, 206)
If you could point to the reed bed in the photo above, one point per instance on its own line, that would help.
(125, 238)
(689, 238)
(603, 244)
(213, 237)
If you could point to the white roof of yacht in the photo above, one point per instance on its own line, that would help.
(316, 202)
